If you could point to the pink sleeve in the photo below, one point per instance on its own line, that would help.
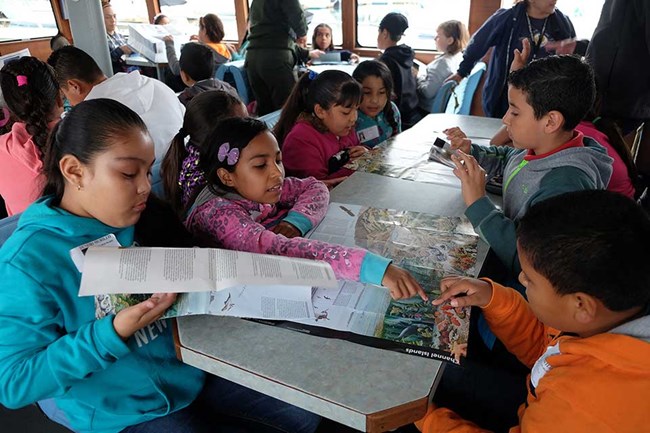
(309, 197)
(223, 224)
(303, 158)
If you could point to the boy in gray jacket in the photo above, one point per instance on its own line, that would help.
(546, 99)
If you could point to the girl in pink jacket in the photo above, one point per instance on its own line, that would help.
(248, 205)
(316, 128)
(32, 96)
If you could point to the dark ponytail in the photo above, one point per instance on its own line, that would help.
(89, 129)
(326, 89)
(203, 112)
(30, 90)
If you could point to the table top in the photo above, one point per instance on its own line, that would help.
(365, 388)
(406, 156)
(356, 385)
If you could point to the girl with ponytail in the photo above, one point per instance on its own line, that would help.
(182, 178)
(32, 96)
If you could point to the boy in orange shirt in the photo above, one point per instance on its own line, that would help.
(585, 330)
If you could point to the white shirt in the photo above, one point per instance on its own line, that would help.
(156, 103)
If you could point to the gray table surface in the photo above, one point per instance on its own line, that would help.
(337, 379)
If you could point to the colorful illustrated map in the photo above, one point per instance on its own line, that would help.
(428, 246)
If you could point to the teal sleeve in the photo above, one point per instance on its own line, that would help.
(496, 230)
(38, 358)
(373, 268)
(298, 220)
(493, 159)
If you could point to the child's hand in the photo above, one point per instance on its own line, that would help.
(472, 177)
(168, 38)
(286, 229)
(521, 57)
(137, 316)
(402, 284)
(314, 54)
(458, 139)
(464, 291)
(356, 151)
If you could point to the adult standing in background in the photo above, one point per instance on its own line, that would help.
(117, 46)
(536, 20)
(271, 54)
(619, 52)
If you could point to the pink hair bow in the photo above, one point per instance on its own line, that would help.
(21, 80)
(231, 156)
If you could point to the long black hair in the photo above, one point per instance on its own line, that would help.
(203, 112)
(87, 130)
(326, 89)
(30, 90)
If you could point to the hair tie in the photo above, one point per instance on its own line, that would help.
(21, 80)
(312, 75)
(231, 156)
(182, 132)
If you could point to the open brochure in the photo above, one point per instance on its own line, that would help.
(428, 246)
(139, 270)
(272, 302)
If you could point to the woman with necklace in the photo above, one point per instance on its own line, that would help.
(539, 21)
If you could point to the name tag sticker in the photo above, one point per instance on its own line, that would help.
(368, 134)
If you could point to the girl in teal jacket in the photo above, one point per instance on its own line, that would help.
(118, 373)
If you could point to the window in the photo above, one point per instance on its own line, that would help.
(188, 14)
(27, 19)
(423, 16)
(584, 14)
(323, 11)
(129, 12)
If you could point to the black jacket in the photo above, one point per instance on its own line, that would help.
(399, 60)
(619, 51)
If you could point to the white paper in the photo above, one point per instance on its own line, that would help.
(13, 56)
(353, 306)
(258, 302)
(178, 270)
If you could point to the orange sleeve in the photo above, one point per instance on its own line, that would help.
(443, 420)
(515, 324)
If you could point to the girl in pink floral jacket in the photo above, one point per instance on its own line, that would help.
(248, 205)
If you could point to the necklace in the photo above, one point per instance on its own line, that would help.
(536, 44)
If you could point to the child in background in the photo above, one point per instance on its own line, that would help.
(547, 99)
(399, 59)
(378, 117)
(197, 72)
(181, 176)
(322, 40)
(316, 127)
(32, 95)
(248, 205)
(451, 39)
(585, 329)
(100, 377)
